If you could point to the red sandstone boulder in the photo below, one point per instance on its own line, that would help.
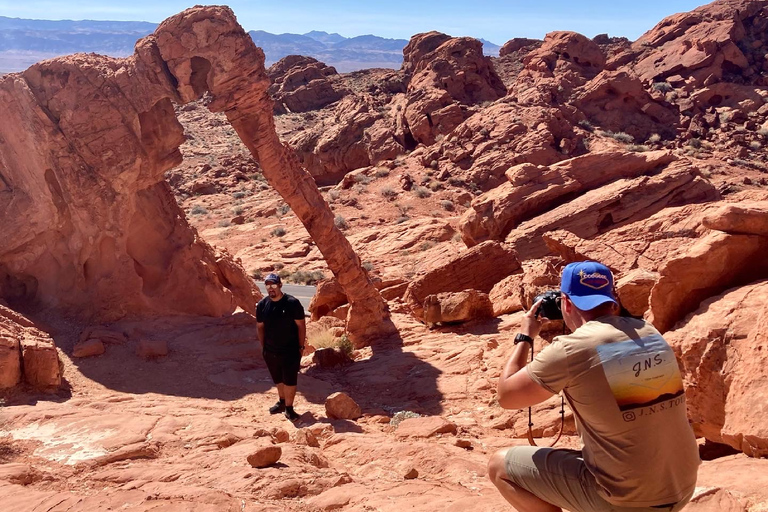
(721, 347)
(301, 84)
(742, 218)
(506, 296)
(706, 42)
(715, 263)
(533, 189)
(149, 349)
(88, 348)
(341, 406)
(516, 44)
(443, 79)
(456, 307)
(265, 456)
(621, 202)
(478, 268)
(328, 296)
(634, 289)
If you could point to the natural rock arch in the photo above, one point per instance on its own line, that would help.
(109, 132)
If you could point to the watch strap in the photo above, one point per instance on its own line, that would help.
(523, 338)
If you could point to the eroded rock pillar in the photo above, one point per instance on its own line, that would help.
(209, 54)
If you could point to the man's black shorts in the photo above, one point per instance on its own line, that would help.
(284, 368)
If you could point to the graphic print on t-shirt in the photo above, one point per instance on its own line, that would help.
(641, 374)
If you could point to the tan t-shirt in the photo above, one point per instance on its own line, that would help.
(623, 384)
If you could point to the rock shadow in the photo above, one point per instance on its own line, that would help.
(391, 380)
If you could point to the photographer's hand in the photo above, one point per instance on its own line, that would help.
(531, 324)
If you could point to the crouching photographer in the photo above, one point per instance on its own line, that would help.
(622, 382)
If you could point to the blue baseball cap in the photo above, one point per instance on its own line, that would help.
(588, 284)
(273, 278)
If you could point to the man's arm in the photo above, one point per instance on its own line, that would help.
(260, 332)
(302, 325)
(516, 389)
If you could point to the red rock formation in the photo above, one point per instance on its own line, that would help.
(478, 269)
(457, 307)
(109, 238)
(532, 189)
(446, 74)
(95, 230)
(27, 354)
(300, 84)
(221, 59)
(722, 351)
(622, 202)
(705, 44)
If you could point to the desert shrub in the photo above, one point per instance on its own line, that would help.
(638, 148)
(382, 172)
(447, 205)
(305, 277)
(361, 178)
(724, 117)
(402, 415)
(661, 86)
(433, 164)
(224, 223)
(198, 210)
(239, 194)
(278, 266)
(283, 209)
(359, 188)
(456, 182)
(421, 192)
(333, 194)
(654, 138)
(623, 137)
(388, 192)
(484, 132)
(256, 275)
(325, 339)
(367, 265)
(278, 232)
(425, 245)
(340, 222)
(694, 143)
(401, 219)
(584, 123)
(763, 132)
(434, 186)
(755, 145)
(238, 210)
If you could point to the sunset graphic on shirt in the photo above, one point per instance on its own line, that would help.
(641, 373)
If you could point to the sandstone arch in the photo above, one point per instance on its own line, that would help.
(87, 214)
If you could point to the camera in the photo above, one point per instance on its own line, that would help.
(549, 307)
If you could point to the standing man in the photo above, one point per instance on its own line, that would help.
(282, 333)
(623, 384)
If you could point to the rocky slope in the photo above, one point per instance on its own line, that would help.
(464, 184)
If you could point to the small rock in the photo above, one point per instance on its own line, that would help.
(330, 357)
(305, 437)
(265, 456)
(280, 435)
(226, 440)
(341, 406)
(410, 474)
(463, 443)
(148, 349)
(427, 426)
(89, 348)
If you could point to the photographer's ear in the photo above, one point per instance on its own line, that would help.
(566, 306)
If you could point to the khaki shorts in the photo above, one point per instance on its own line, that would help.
(561, 478)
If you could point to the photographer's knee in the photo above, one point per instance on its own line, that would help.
(497, 466)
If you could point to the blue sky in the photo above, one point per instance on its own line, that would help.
(494, 20)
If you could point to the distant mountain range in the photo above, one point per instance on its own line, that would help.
(24, 42)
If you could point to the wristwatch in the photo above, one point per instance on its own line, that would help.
(523, 338)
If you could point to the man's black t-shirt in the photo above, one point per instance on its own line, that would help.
(279, 317)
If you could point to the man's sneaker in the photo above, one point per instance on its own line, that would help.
(291, 414)
(278, 407)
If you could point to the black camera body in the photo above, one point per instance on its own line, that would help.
(549, 307)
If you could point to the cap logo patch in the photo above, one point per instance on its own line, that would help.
(595, 280)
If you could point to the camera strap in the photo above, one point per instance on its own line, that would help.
(531, 441)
